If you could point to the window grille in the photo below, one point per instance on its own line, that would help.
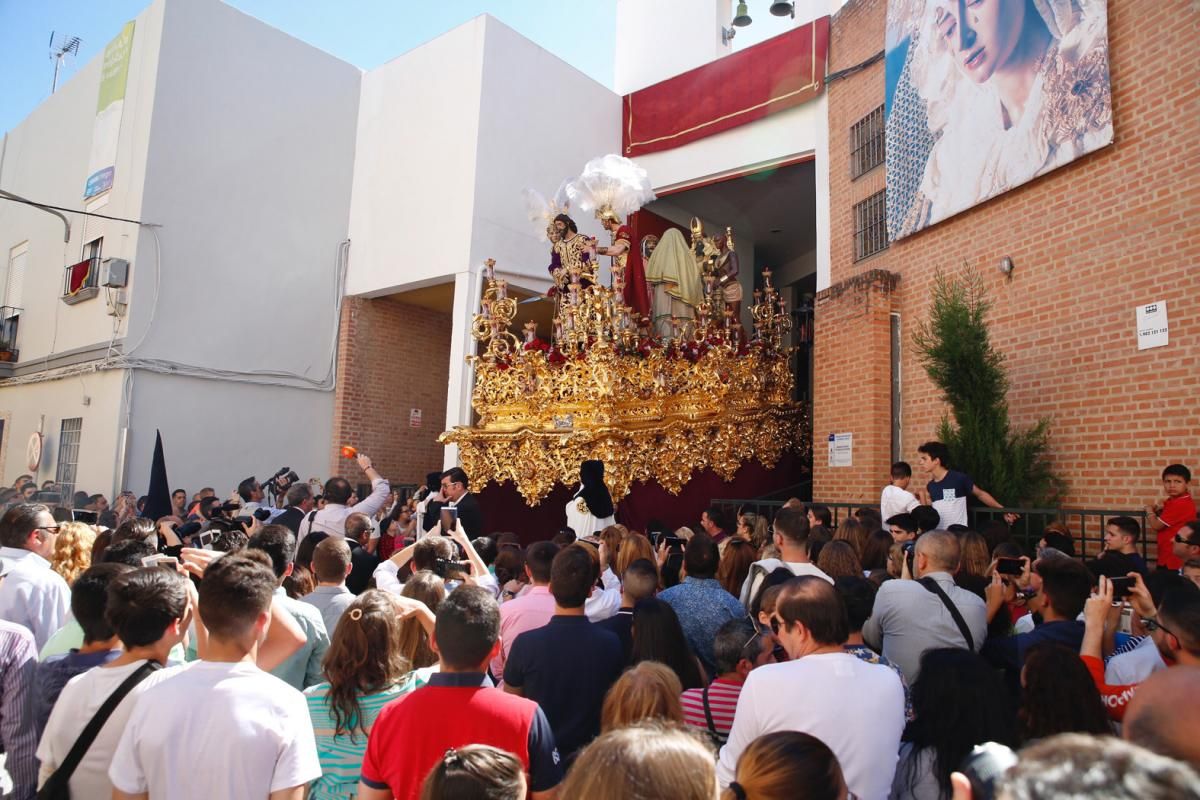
(867, 143)
(68, 454)
(870, 226)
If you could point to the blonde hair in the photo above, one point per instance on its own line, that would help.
(646, 692)
(634, 546)
(73, 550)
(975, 557)
(414, 642)
(643, 762)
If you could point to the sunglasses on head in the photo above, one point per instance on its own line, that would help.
(1181, 539)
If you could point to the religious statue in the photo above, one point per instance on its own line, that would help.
(571, 255)
(626, 261)
(727, 276)
(614, 187)
(674, 277)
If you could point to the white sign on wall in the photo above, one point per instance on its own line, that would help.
(414, 418)
(1152, 325)
(841, 449)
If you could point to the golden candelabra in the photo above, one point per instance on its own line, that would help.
(652, 408)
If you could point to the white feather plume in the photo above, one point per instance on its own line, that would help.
(614, 182)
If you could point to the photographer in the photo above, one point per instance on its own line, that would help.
(332, 518)
(300, 504)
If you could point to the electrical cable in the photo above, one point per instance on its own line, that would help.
(36, 204)
(842, 73)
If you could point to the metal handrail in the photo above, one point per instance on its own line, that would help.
(1086, 524)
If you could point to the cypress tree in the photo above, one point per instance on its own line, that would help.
(957, 354)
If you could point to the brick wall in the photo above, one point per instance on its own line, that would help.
(1090, 242)
(392, 357)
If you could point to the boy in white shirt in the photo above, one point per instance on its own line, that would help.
(247, 733)
(149, 610)
(896, 498)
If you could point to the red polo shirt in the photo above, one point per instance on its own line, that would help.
(1176, 511)
(413, 733)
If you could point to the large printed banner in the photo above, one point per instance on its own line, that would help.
(985, 95)
(106, 130)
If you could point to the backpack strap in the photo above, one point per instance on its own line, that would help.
(931, 585)
(78, 750)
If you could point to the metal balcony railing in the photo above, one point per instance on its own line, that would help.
(81, 280)
(10, 317)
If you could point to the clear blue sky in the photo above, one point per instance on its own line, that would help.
(365, 33)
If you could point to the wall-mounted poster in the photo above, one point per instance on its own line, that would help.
(984, 95)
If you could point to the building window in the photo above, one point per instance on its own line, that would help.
(870, 226)
(867, 143)
(68, 454)
(81, 280)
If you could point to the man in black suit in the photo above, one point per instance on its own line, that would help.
(299, 504)
(455, 484)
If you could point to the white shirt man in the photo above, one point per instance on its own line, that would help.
(220, 727)
(790, 534)
(908, 619)
(31, 593)
(854, 707)
(332, 518)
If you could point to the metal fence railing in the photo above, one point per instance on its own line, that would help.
(1085, 524)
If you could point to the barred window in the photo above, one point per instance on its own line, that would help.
(68, 454)
(870, 226)
(867, 143)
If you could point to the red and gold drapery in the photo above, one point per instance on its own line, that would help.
(772, 76)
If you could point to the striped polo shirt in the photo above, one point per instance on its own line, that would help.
(342, 754)
(722, 702)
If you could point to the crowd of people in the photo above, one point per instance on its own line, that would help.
(332, 646)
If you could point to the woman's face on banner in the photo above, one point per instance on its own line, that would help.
(980, 34)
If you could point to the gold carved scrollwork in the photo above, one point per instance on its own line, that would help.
(655, 411)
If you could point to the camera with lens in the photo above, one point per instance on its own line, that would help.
(282, 479)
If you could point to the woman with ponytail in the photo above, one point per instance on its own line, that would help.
(785, 765)
(364, 670)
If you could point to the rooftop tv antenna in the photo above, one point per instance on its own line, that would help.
(61, 46)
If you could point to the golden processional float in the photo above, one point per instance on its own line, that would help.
(653, 407)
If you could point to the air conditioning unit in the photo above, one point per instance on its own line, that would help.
(114, 273)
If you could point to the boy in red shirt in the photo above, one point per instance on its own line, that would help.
(1167, 517)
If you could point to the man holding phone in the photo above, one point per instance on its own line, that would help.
(464, 505)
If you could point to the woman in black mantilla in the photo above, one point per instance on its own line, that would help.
(591, 509)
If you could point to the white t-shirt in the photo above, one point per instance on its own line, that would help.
(895, 500)
(81, 698)
(1134, 666)
(854, 707)
(216, 730)
(754, 579)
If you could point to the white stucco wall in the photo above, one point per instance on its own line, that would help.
(47, 404)
(215, 434)
(658, 39)
(414, 170)
(45, 158)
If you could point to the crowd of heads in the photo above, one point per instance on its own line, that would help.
(698, 614)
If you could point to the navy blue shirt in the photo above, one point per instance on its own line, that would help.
(621, 624)
(949, 496)
(566, 667)
(1009, 651)
(53, 674)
